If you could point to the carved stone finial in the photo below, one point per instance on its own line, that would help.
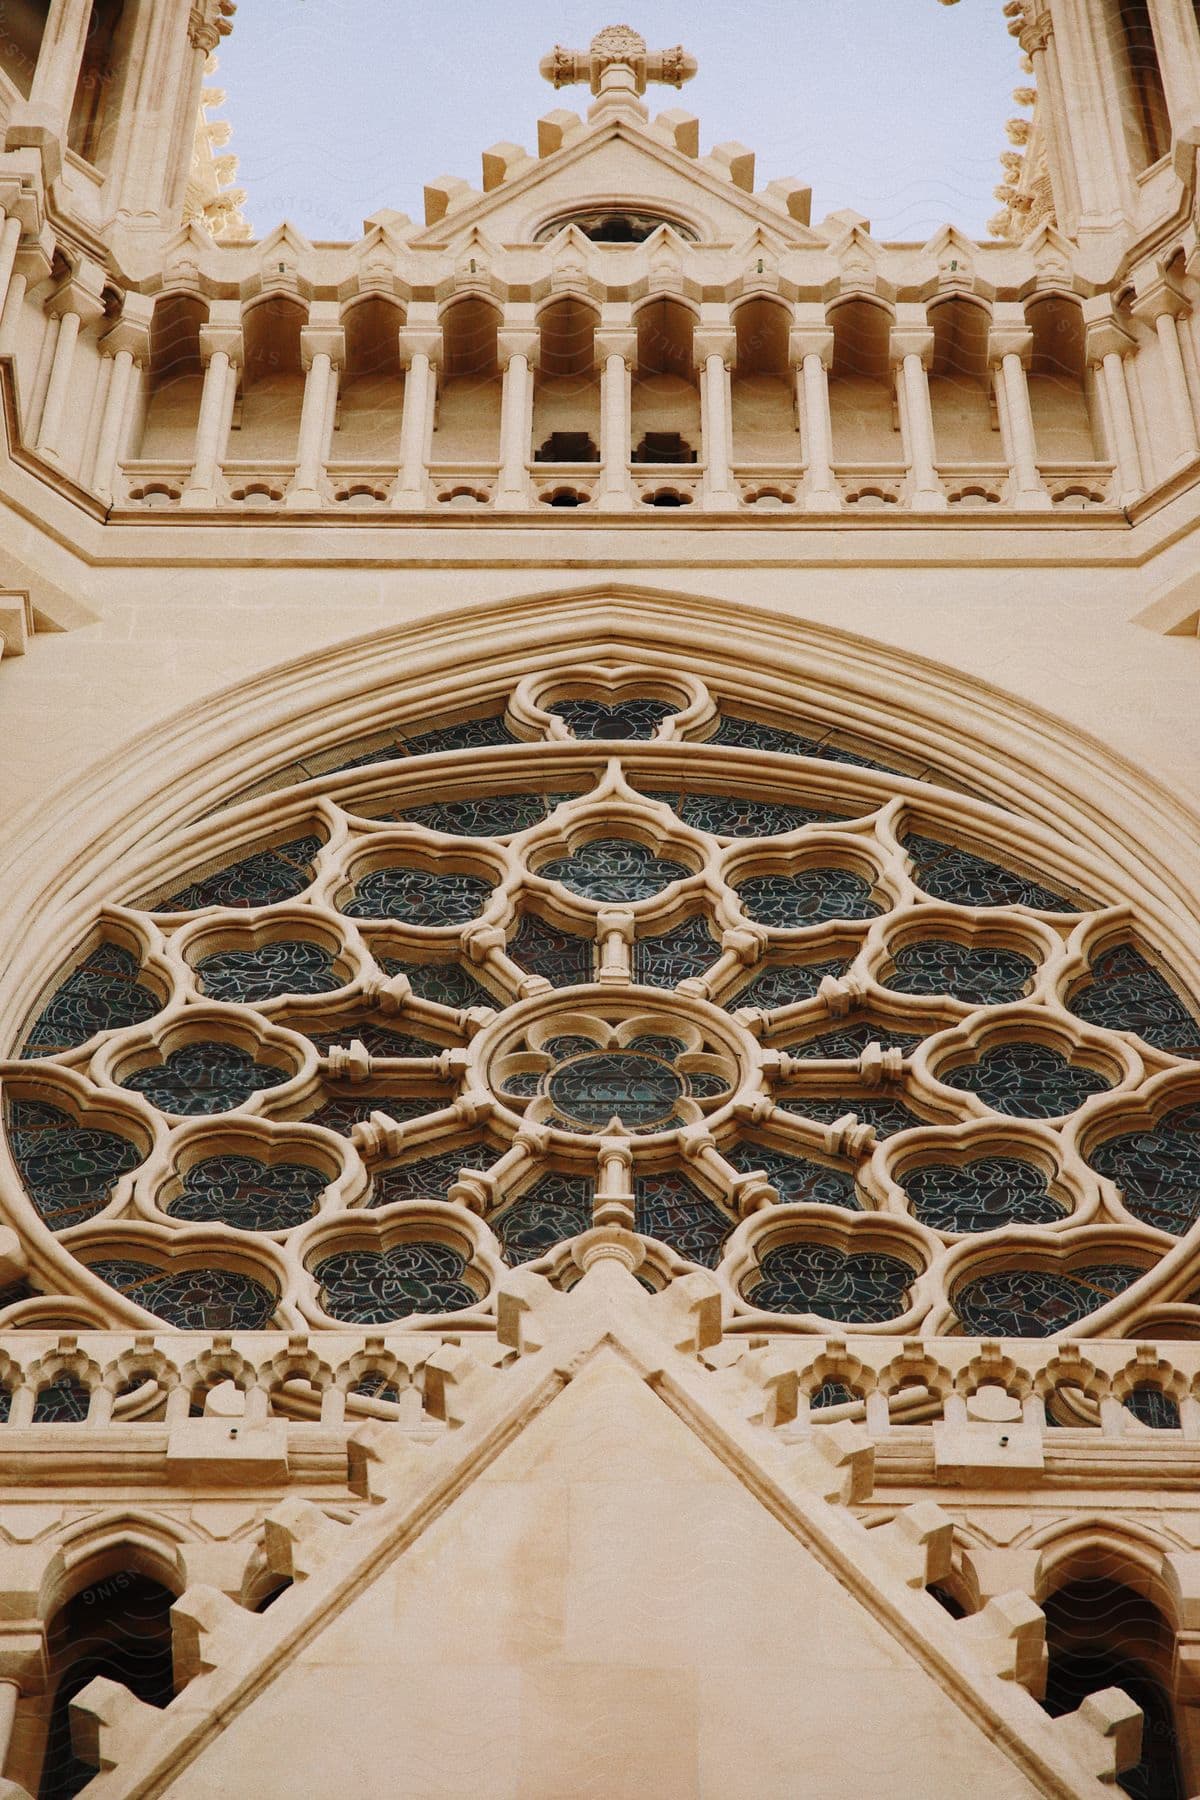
(618, 47)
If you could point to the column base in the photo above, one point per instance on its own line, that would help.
(928, 500)
(196, 499)
(615, 500)
(408, 500)
(721, 500)
(306, 499)
(1033, 500)
(512, 500)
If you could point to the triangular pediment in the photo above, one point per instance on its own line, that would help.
(616, 163)
(603, 1581)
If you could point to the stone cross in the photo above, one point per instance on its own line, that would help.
(618, 52)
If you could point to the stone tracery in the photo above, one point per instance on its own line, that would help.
(827, 1046)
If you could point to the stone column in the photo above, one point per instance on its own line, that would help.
(77, 303)
(1108, 344)
(1178, 43)
(811, 353)
(57, 73)
(616, 352)
(911, 349)
(1160, 305)
(517, 349)
(1036, 36)
(1010, 346)
(1091, 115)
(24, 1666)
(128, 345)
(221, 351)
(322, 354)
(420, 353)
(714, 351)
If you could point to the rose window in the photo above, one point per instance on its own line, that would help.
(612, 948)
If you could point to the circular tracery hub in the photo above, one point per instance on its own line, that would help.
(723, 973)
(583, 1061)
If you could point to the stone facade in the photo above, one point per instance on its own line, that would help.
(600, 975)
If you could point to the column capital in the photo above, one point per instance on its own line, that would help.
(21, 197)
(616, 340)
(131, 331)
(1162, 295)
(910, 340)
(23, 1657)
(518, 340)
(82, 293)
(322, 340)
(420, 340)
(810, 340)
(1009, 338)
(219, 336)
(714, 340)
(1106, 336)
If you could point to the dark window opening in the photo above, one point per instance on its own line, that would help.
(567, 447)
(664, 447)
(104, 56)
(1148, 122)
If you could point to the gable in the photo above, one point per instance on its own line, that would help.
(607, 1611)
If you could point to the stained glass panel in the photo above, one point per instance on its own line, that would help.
(887, 1116)
(557, 1207)
(726, 816)
(68, 1170)
(1125, 992)
(426, 1178)
(495, 815)
(632, 718)
(978, 974)
(419, 896)
(65, 1401)
(542, 949)
(809, 897)
(1038, 1302)
(260, 879)
(670, 1208)
(449, 984)
(1152, 1407)
(193, 1299)
(947, 872)
(754, 735)
(342, 1112)
(614, 871)
(204, 1078)
(848, 1042)
(862, 1288)
(980, 1195)
(1157, 1169)
(798, 1178)
(372, 1287)
(1026, 1081)
(667, 959)
(102, 994)
(786, 984)
(249, 1194)
(377, 1040)
(287, 966)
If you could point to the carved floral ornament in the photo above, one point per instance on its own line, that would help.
(611, 949)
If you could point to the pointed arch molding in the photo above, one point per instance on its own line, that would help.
(96, 839)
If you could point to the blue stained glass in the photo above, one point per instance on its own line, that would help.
(1038, 1302)
(670, 1208)
(497, 815)
(260, 879)
(468, 734)
(946, 872)
(1153, 1408)
(449, 984)
(523, 1085)
(64, 1401)
(753, 734)
(102, 994)
(1157, 1169)
(639, 1089)
(417, 895)
(377, 1040)
(1026, 1081)
(249, 1194)
(12, 1295)
(798, 1179)
(427, 1178)
(667, 959)
(725, 815)
(287, 966)
(376, 1387)
(541, 949)
(342, 1112)
(624, 719)
(980, 1196)
(786, 984)
(558, 1207)
(192, 1299)
(372, 1287)
(614, 871)
(561, 1047)
(832, 1393)
(887, 1116)
(204, 1078)
(68, 1170)
(809, 897)
(861, 1288)
(1125, 992)
(979, 975)
(849, 1041)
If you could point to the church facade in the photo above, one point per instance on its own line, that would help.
(599, 953)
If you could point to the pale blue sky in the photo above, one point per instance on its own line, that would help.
(894, 107)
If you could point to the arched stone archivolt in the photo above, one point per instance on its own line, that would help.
(719, 948)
